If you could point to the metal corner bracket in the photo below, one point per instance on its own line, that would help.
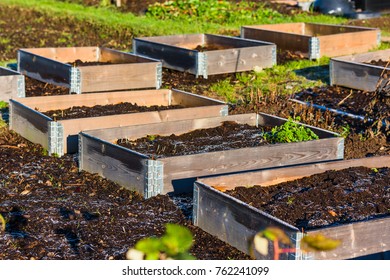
(314, 48)
(21, 87)
(159, 75)
(75, 80)
(202, 65)
(153, 178)
(56, 139)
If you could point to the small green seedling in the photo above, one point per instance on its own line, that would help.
(173, 245)
(290, 131)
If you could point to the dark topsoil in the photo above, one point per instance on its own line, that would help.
(330, 198)
(53, 211)
(227, 136)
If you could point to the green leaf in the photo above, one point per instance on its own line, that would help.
(3, 222)
(319, 242)
(177, 239)
(149, 245)
(274, 233)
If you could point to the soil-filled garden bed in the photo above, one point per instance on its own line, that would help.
(53, 211)
(352, 101)
(229, 135)
(330, 198)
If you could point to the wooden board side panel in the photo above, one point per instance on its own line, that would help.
(275, 176)
(365, 57)
(357, 239)
(348, 43)
(192, 100)
(68, 54)
(114, 56)
(232, 42)
(224, 162)
(29, 124)
(8, 87)
(177, 40)
(167, 128)
(231, 221)
(356, 76)
(296, 28)
(43, 69)
(118, 77)
(172, 57)
(111, 162)
(284, 41)
(238, 60)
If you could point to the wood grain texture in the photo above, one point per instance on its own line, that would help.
(275, 176)
(357, 239)
(29, 123)
(8, 87)
(113, 162)
(68, 54)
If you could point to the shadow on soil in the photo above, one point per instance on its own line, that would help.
(315, 73)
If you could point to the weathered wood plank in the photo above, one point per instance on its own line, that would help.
(357, 239)
(111, 161)
(354, 72)
(249, 159)
(275, 176)
(118, 76)
(11, 84)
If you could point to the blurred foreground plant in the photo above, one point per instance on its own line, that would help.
(173, 245)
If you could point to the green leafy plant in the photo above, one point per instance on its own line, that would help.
(174, 244)
(3, 222)
(290, 131)
(3, 105)
(315, 242)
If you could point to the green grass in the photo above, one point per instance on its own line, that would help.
(149, 26)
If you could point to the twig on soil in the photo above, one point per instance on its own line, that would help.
(342, 101)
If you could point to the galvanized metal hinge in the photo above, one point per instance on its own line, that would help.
(153, 178)
(195, 205)
(379, 37)
(158, 75)
(202, 65)
(314, 48)
(56, 139)
(331, 78)
(224, 111)
(75, 80)
(274, 55)
(21, 88)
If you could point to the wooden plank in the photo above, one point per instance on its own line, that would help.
(29, 124)
(249, 159)
(114, 56)
(232, 42)
(191, 100)
(284, 41)
(348, 43)
(189, 41)
(240, 59)
(296, 28)
(67, 54)
(357, 239)
(168, 128)
(275, 176)
(118, 76)
(141, 97)
(11, 84)
(43, 69)
(353, 71)
(114, 162)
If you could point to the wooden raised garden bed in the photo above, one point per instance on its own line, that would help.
(60, 136)
(355, 71)
(315, 40)
(11, 84)
(100, 154)
(102, 69)
(206, 54)
(236, 222)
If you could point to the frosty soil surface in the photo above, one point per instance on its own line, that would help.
(228, 136)
(330, 198)
(53, 211)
